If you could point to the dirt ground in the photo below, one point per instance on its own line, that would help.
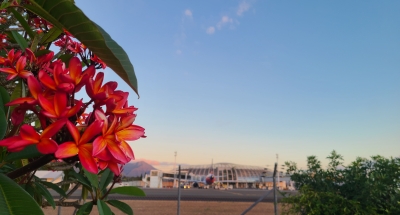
(141, 207)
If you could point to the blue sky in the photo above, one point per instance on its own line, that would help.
(239, 81)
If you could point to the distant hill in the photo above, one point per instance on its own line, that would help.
(137, 168)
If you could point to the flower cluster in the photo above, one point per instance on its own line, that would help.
(97, 139)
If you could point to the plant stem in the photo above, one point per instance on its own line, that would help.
(31, 166)
(108, 191)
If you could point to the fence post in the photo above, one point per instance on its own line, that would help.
(179, 191)
(275, 191)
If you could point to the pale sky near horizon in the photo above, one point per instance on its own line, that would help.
(239, 81)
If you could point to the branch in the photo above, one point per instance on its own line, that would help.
(31, 166)
(64, 204)
(16, 29)
(70, 192)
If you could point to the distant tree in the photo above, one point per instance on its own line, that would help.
(366, 186)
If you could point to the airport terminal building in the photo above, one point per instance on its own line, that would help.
(240, 176)
(226, 175)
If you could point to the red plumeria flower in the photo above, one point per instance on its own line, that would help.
(19, 70)
(76, 76)
(107, 140)
(119, 103)
(56, 83)
(126, 131)
(29, 136)
(97, 60)
(14, 141)
(44, 143)
(82, 119)
(113, 166)
(34, 88)
(98, 93)
(11, 58)
(81, 146)
(58, 108)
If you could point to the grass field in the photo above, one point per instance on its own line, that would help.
(141, 207)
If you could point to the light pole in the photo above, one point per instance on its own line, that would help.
(277, 163)
(175, 169)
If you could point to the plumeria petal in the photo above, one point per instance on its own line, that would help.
(102, 164)
(75, 68)
(19, 145)
(21, 63)
(9, 71)
(72, 111)
(101, 116)
(74, 131)
(28, 133)
(114, 168)
(47, 80)
(99, 144)
(34, 86)
(9, 141)
(105, 155)
(28, 100)
(113, 125)
(60, 102)
(46, 105)
(127, 121)
(47, 146)
(127, 150)
(25, 74)
(98, 81)
(91, 132)
(124, 110)
(66, 87)
(53, 128)
(11, 76)
(133, 132)
(18, 115)
(116, 152)
(86, 158)
(66, 150)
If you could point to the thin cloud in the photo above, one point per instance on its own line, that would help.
(224, 20)
(243, 7)
(188, 13)
(210, 30)
(151, 162)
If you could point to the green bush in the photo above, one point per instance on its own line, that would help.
(366, 186)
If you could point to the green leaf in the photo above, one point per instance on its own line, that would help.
(84, 181)
(23, 22)
(121, 206)
(46, 194)
(106, 178)
(29, 188)
(50, 36)
(103, 208)
(42, 52)
(14, 200)
(85, 209)
(5, 98)
(128, 190)
(28, 152)
(66, 15)
(20, 40)
(4, 5)
(66, 58)
(93, 178)
(54, 187)
(84, 193)
(3, 124)
(17, 93)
